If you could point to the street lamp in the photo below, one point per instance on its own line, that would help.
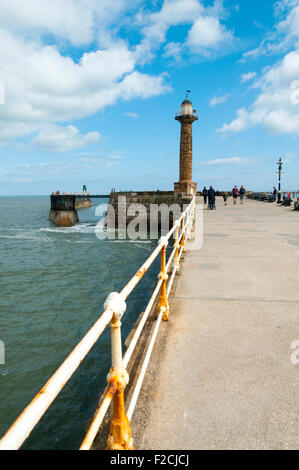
(279, 163)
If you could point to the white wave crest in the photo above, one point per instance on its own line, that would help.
(79, 228)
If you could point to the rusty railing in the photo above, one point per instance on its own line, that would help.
(120, 432)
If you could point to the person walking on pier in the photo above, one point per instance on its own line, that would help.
(205, 195)
(235, 192)
(242, 194)
(211, 198)
(274, 193)
(225, 199)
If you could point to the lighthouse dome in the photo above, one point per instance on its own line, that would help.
(186, 107)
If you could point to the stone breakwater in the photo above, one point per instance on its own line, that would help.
(63, 212)
(83, 203)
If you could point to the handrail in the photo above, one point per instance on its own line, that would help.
(120, 432)
(24, 424)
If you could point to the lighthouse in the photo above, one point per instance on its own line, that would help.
(186, 117)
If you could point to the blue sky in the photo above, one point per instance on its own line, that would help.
(88, 93)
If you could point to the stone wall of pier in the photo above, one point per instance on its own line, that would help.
(123, 205)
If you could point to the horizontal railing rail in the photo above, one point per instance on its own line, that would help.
(114, 308)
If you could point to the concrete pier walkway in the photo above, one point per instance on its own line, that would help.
(221, 375)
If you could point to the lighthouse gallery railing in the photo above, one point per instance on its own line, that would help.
(120, 431)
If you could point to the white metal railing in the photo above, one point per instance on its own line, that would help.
(115, 306)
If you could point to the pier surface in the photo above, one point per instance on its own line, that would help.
(221, 375)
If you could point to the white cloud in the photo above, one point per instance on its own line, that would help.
(285, 34)
(89, 162)
(226, 161)
(43, 86)
(62, 139)
(46, 87)
(2, 93)
(282, 122)
(172, 13)
(73, 20)
(238, 124)
(246, 77)
(31, 172)
(288, 27)
(218, 100)
(206, 33)
(173, 49)
(132, 115)
(141, 85)
(275, 107)
(39, 171)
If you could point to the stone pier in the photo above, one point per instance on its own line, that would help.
(224, 372)
(63, 212)
(120, 213)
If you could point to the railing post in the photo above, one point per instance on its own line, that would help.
(120, 432)
(177, 248)
(190, 217)
(163, 301)
(183, 243)
(193, 214)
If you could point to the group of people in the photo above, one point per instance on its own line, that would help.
(275, 193)
(209, 196)
(238, 192)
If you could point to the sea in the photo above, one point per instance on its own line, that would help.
(53, 283)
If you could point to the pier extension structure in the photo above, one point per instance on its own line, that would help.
(63, 211)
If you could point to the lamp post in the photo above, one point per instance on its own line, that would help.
(279, 163)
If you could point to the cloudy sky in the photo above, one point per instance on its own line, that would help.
(89, 91)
